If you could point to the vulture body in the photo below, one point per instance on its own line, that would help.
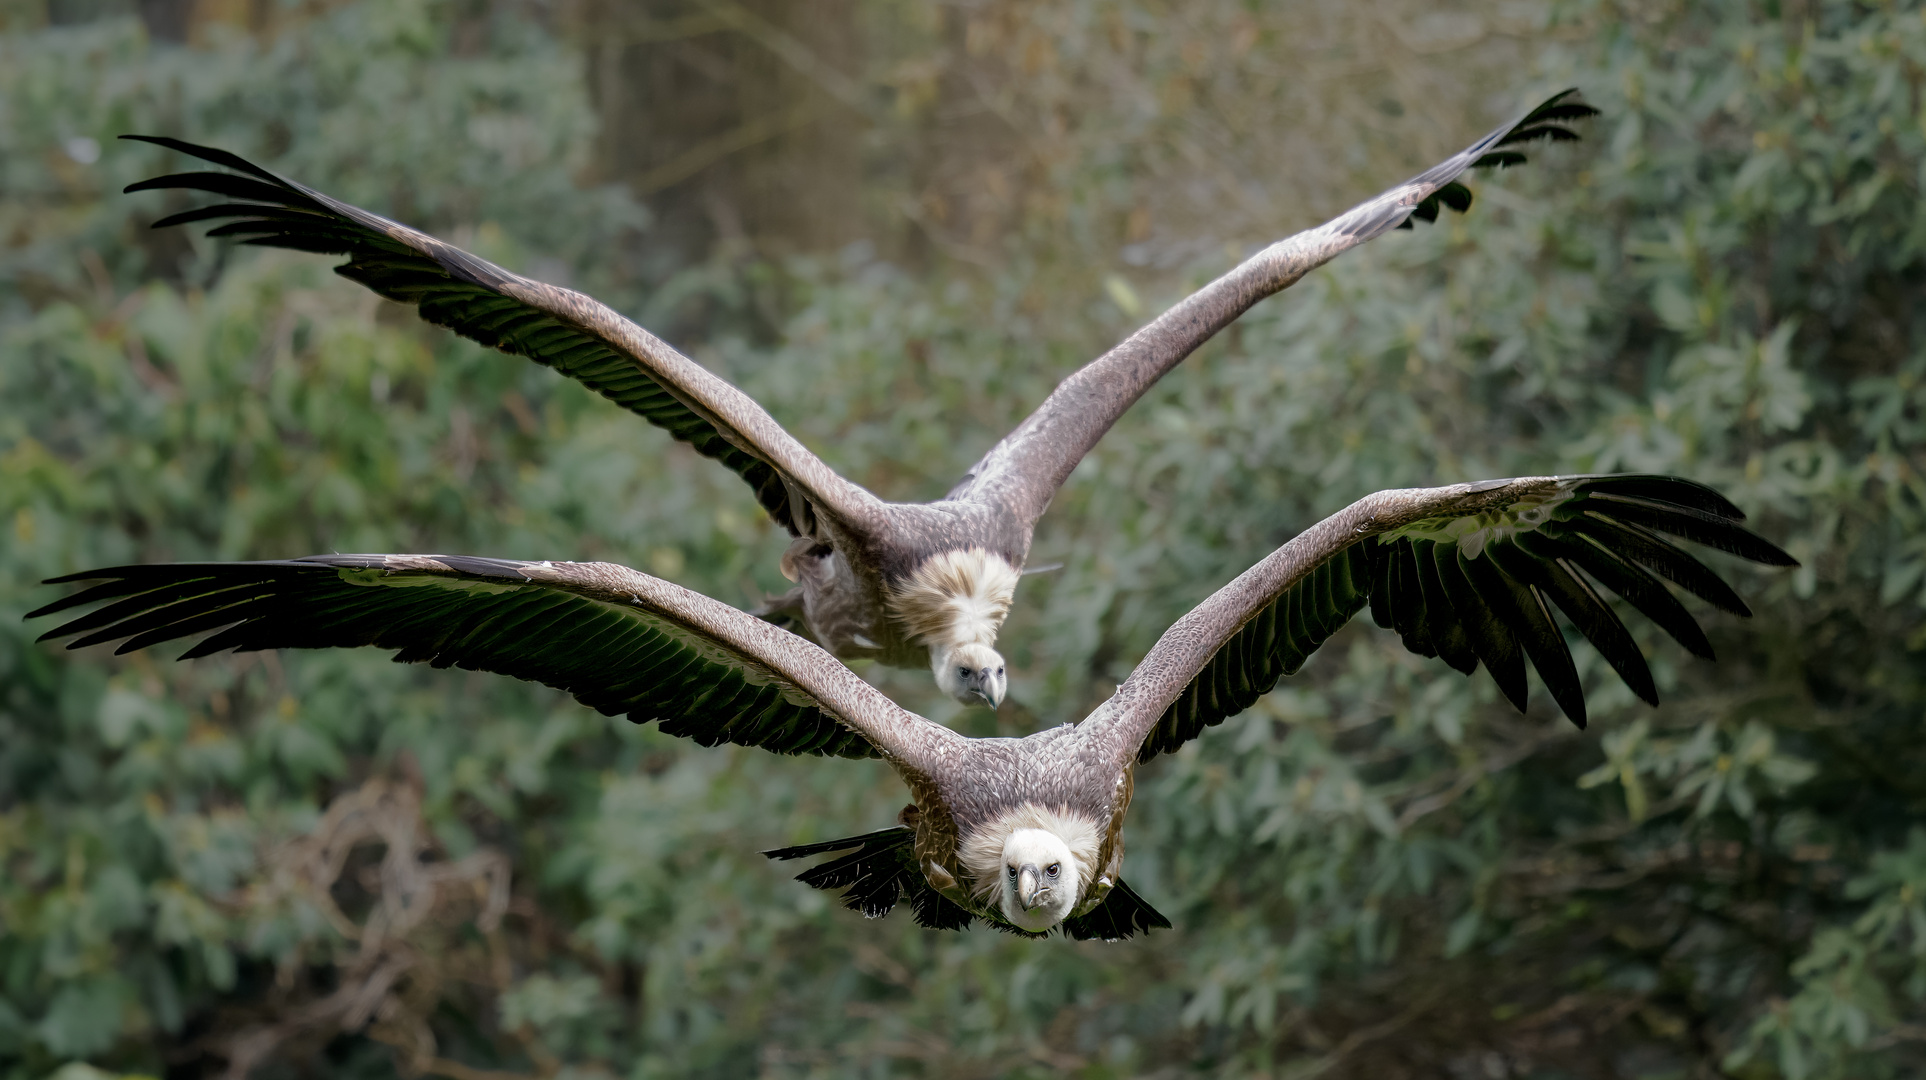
(905, 583)
(1025, 833)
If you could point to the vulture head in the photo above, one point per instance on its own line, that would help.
(972, 673)
(1040, 879)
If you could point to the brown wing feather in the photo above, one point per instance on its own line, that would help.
(1514, 549)
(1024, 470)
(617, 639)
(558, 327)
(1121, 725)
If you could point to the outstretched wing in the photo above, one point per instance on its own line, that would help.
(619, 640)
(562, 329)
(1022, 472)
(1470, 574)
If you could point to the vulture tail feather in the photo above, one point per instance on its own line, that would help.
(1122, 914)
(880, 871)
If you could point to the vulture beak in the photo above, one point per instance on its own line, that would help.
(986, 694)
(1029, 890)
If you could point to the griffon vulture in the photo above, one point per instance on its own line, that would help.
(1025, 833)
(906, 583)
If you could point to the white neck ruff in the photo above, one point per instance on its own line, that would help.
(956, 598)
(982, 852)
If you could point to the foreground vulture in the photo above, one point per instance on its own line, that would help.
(905, 583)
(1025, 833)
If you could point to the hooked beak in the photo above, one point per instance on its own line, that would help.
(983, 688)
(1029, 886)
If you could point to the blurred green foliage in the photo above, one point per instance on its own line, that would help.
(1379, 871)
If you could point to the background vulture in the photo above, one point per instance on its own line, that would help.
(905, 583)
(1026, 833)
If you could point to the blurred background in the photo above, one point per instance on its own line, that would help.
(896, 225)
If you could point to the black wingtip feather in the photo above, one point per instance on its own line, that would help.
(228, 184)
(1549, 132)
(1689, 523)
(1631, 540)
(1575, 110)
(1640, 589)
(1586, 610)
(209, 154)
(1499, 159)
(1666, 489)
(610, 660)
(1556, 107)
(1490, 638)
(1520, 608)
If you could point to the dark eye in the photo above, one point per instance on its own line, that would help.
(999, 671)
(963, 672)
(1012, 871)
(1053, 870)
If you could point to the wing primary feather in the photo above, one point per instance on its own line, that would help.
(1490, 638)
(1666, 489)
(186, 626)
(1556, 669)
(1456, 196)
(1643, 546)
(1444, 622)
(257, 211)
(209, 154)
(1689, 524)
(194, 594)
(234, 187)
(1587, 611)
(1408, 603)
(1381, 570)
(164, 620)
(1499, 159)
(1640, 589)
(1557, 108)
(1549, 132)
(1519, 607)
(120, 585)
